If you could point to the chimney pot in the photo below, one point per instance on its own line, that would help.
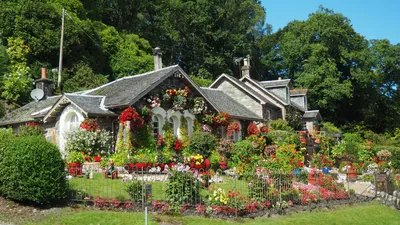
(279, 78)
(157, 58)
(43, 73)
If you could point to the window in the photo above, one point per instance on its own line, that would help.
(173, 120)
(156, 125)
(73, 123)
(189, 122)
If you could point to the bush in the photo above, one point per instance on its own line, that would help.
(280, 124)
(135, 190)
(202, 143)
(90, 142)
(32, 171)
(30, 129)
(6, 135)
(182, 188)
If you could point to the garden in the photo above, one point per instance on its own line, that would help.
(273, 168)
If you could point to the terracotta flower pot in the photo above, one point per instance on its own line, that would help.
(140, 166)
(352, 173)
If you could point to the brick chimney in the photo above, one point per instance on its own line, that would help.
(246, 67)
(157, 59)
(45, 84)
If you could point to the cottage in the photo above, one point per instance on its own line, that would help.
(245, 99)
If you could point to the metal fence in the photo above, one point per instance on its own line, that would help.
(147, 187)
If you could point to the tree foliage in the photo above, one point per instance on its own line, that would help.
(349, 79)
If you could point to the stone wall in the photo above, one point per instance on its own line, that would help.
(390, 200)
(246, 100)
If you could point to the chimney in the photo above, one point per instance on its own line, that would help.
(246, 67)
(279, 78)
(45, 84)
(157, 59)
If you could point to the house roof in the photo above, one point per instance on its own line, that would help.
(260, 87)
(242, 86)
(89, 105)
(298, 92)
(92, 105)
(297, 106)
(229, 105)
(275, 83)
(125, 91)
(312, 114)
(24, 114)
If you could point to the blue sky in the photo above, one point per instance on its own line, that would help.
(374, 19)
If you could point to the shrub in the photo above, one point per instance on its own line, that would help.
(202, 143)
(32, 171)
(135, 190)
(182, 188)
(6, 135)
(280, 124)
(30, 129)
(89, 142)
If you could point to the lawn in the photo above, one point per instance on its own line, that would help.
(366, 213)
(107, 188)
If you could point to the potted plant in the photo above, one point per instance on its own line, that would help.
(314, 175)
(75, 160)
(129, 164)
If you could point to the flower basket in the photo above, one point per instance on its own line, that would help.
(223, 165)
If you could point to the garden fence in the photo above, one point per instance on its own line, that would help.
(143, 188)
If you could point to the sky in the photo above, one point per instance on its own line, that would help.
(373, 19)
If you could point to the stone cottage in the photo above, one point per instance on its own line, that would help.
(245, 99)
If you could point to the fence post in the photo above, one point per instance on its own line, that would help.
(145, 216)
(376, 188)
(143, 190)
(280, 189)
(234, 187)
(348, 185)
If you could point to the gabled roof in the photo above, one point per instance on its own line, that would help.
(125, 91)
(229, 105)
(297, 106)
(275, 83)
(298, 92)
(89, 105)
(312, 114)
(29, 111)
(242, 86)
(261, 88)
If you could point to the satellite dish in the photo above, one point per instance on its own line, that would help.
(37, 94)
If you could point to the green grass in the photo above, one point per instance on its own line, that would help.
(367, 213)
(107, 188)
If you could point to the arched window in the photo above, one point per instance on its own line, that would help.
(73, 122)
(174, 121)
(189, 122)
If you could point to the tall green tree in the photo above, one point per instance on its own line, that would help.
(326, 55)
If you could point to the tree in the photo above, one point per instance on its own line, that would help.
(325, 55)
(17, 84)
(132, 57)
(84, 79)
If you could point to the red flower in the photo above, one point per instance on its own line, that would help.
(264, 129)
(232, 128)
(90, 124)
(177, 145)
(253, 129)
(97, 159)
